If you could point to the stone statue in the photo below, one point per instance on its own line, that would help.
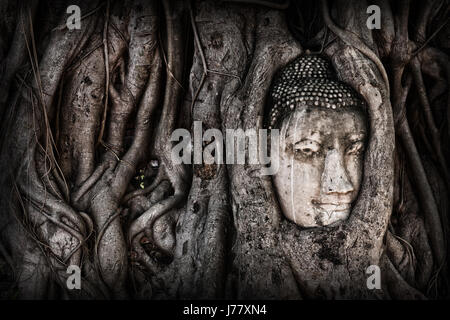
(323, 129)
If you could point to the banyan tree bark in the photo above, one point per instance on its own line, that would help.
(88, 177)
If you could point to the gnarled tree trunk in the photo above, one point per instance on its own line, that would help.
(88, 178)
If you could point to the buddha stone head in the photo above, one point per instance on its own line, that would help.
(322, 123)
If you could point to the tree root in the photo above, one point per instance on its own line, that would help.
(354, 41)
(435, 137)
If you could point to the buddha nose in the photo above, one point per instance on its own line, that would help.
(335, 179)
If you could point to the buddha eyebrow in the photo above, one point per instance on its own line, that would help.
(314, 136)
(308, 139)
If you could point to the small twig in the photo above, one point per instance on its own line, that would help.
(325, 38)
(78, 61)
(107, 147)
(324, 44)
(202, 57)
(161, 47)
(116, 29)
(106, 53)
(431, 37)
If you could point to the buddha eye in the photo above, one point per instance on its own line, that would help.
(306, 147)
(355, 148)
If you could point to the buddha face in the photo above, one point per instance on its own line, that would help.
(321, 163)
